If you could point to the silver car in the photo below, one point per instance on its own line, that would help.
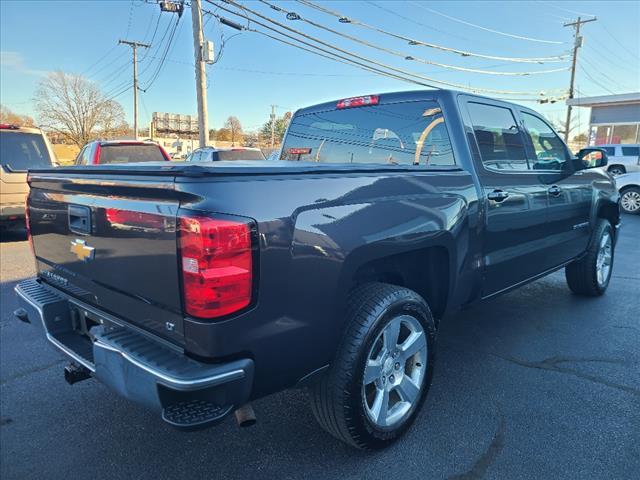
(629, 188)
(622, 158)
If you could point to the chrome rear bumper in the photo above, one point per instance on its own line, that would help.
(136, 365)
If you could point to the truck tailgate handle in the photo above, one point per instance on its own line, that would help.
(498, 195)
(80, 219)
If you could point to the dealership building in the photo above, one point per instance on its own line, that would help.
(614, 118)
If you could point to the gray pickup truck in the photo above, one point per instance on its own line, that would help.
(197, 288)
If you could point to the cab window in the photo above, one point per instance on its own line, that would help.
(499, 139)
(85, 155)
(550, 151)
(404, 133)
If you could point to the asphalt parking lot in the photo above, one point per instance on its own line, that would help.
(536, 384)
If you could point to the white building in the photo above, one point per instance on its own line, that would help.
(614, 118)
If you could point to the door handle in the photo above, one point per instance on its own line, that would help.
(498, 195)
(555, 191)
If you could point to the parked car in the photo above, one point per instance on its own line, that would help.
(101, 152)
(330, 269)
(622, 158)
(21, 148)
(213, 154)
(629, 188)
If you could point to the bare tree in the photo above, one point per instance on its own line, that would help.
(235, 128)
(7, 116)
(76, 108)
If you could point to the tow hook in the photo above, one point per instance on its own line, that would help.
(21, 314)
(74, 373)
(245, 416)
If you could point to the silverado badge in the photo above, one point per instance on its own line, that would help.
(81, 250)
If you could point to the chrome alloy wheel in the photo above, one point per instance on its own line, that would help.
(630, 201)
(395, 372)
(603, 261)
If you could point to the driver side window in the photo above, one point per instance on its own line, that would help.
(551, 153)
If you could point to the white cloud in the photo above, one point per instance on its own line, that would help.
(15, 62)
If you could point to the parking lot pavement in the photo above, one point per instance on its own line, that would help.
(535, 384)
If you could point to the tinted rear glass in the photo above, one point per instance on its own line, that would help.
(238, 155)
(407, 133)
(20, 151)
(631, 151)
(130, 154)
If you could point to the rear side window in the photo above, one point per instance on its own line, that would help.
(407, 133)
(20, 151)
(611, 151)
(130, 154)
(240, 155)
(84, 155)
(498, 137)
(631, 151)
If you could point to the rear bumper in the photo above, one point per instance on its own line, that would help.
(11, 212)
(189, 393)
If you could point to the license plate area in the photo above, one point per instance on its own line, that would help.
(83, 320)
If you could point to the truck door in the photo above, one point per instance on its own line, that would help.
(570, 192)
(515, 196)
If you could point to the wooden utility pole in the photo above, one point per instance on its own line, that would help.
(134, 46)
(201, 73)
(577, 44)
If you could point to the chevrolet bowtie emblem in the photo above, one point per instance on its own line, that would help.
(83, 251)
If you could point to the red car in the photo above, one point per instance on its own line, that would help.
(102, 152)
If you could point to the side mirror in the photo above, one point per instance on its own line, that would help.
(593, 157)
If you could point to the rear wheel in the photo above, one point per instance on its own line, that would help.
(383, 368)
(630, 200)
(590, 275)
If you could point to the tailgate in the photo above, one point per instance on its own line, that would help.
(110, 241)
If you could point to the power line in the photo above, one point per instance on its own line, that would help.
(162, 62)
(498, 32)
(317, 50)
(413, 41)
(295, 16)
(586, 72)
(604, 75)
(352, 55)
(624, 47)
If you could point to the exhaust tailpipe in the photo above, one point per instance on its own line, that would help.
(245, 416)
(74, 373)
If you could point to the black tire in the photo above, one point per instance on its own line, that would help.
(337, 399)
(582, 275)
(616, 170)
(630, 207)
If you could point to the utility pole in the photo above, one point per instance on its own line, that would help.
(134, 46)
(577, 44)
(273, 126)
(201, 73)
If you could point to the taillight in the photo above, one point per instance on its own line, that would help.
(96, 155)
(358, 101)
(217, 265)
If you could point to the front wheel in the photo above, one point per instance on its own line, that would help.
(630, 200)
(591, 274)
(616, 170)
(379, 379)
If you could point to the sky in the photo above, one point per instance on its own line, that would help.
(253, 72)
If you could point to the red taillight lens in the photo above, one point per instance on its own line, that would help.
(358, 101)
(96, 155)
(217, 265)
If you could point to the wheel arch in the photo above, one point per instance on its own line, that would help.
(428, 269)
